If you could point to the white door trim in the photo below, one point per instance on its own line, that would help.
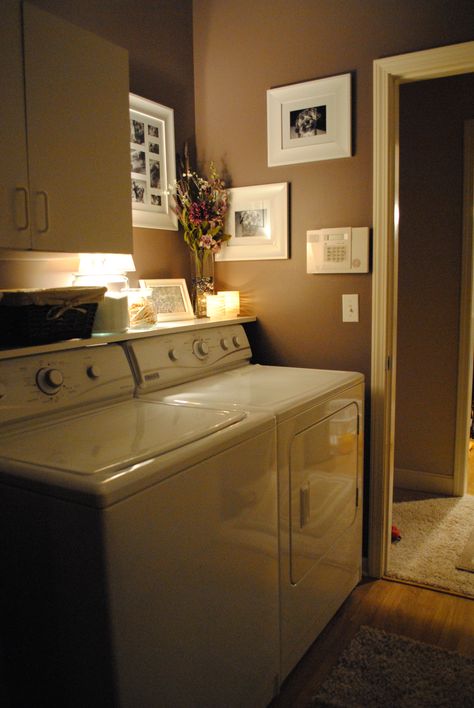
(466, 329)
(389, 73)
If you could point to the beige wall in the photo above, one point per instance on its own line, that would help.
(241, 49)
(432, 114)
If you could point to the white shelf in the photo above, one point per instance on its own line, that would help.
(160, 329)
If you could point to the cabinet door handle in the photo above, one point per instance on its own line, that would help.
(44, 195)
(22, 210)
(305, 510)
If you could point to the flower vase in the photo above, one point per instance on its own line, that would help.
(202, 279)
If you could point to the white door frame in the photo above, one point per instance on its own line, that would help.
(389, 73)
(466, 329)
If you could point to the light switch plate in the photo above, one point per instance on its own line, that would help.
(350, 308)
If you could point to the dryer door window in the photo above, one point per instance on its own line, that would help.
(323, 481)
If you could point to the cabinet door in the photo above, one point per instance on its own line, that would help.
(14, 228)
(78, 137)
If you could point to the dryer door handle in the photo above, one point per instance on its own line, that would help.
(305, 506)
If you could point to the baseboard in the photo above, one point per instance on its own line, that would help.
(365, 567)
(423, 481)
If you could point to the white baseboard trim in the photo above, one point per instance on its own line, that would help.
(423, 481)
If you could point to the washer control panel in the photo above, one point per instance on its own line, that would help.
(169, 360)
(48, 383)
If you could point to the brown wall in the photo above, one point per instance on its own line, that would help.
(432, 117)
(241, 49)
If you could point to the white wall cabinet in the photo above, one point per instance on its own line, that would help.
(64, 136)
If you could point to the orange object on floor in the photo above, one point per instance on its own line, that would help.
(396, 535)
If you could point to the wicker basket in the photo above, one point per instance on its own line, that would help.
(29, 317)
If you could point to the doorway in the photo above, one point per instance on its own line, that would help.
(388, 75)
(433, 525)
(432, 117)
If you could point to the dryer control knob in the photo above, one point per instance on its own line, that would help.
(237, 342)
(225, 344)
(49, 380)
(200, 349)
(173, 355)
(93, 371)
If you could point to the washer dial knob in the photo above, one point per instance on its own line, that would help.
(200, 349)
(225, 343)
(93, 371)
(173, 355)
(49, 380)
(237, 342)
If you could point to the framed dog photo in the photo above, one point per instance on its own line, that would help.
(152, 164)
(171, 298)
(257, 220)
(309, 121)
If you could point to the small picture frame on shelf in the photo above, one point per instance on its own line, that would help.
(257, 220)
(171, 298)
(309, 121)
(152, 164)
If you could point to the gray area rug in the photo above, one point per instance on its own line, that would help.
(434, 533)
(383, 670)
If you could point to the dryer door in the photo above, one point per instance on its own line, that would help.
(324, 481)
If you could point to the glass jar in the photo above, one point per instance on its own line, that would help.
(202, 279)
(141, 308)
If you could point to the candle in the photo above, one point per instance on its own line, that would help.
(215, 305)
(232, 302)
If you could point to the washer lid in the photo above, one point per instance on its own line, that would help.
(115, 436)
(281, 389)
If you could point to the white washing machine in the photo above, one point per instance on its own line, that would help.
(139, 554)
(319, 421)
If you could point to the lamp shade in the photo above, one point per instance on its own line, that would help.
(105, 263)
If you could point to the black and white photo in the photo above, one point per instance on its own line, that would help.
(250, 222)
(154, 174)
(137, 131)
(138, 162)
(138, 191)
(307, 122)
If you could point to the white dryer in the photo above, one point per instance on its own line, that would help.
(139, 555)
(319, 422)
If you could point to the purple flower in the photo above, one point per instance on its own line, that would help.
(199, 212)
(206, 241)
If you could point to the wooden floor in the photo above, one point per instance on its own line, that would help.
(444, 620)
(427, 615)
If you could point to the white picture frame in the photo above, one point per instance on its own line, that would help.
(152, 164)
(309, 121)
(171, 298)
(257, 220)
